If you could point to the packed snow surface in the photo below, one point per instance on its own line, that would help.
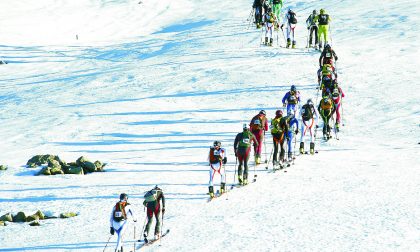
(147, 87)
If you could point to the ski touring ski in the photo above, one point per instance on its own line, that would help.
(150, 242)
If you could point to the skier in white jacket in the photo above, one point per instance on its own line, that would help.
(120, 214)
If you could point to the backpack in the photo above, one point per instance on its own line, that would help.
(292, 17)
(151, 196)
(326, 105)
(257, 123)
(323, 19)
(119, 211)
(307, 112)
(246, 140)
(215, 155)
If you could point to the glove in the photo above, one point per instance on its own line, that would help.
(281, 26)
(111, 231)
(135, 220)
(316, 126)
(163, 210)
(336, 58)
(224, 160)
(308, 28)
(287, 139)
(284, 104)
(296, 132)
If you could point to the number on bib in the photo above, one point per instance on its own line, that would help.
(245, 140)
(118, 214)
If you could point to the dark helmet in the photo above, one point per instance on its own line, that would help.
(262, 112)
(279, 113)
(123, 196)
(269, 10)
(327, 46)
(293, 88)
(245, 127)
(217, 144)
(314, 12)
(310, 102)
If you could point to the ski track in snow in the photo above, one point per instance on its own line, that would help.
(150, 101)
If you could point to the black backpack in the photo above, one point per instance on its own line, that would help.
(292, 17)
(307, 112)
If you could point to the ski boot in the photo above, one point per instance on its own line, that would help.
(145, 238)
(290, 156)
(312, 148)
(320, 46)
(337, 127)
(245, 182)
(266, 41)
(288, 43)
(294, 44)
(240, 180)
(301, 148)
(222, 188)
(271, 42)
(157, 237)
(257, 160)
(211, 192)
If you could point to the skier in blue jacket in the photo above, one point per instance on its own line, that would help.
(291, 99)
(292, 132)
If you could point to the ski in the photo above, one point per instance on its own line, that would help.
(150, 242)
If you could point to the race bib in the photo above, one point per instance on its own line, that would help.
(271, 126)
(328, 55)
(216, 152)
(118, 214)
(245, 140)
(257, 121)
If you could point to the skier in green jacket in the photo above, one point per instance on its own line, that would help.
(323, 20)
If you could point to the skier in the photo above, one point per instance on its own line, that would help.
(259, 126)
(292, 98)
(293, 127)
(284, 128)
(291, 21)
(277, 134)
(270, 22)
(258, 6)
(119, 219)
(277, 5)
(242, 148)
(326, 109)
(309, 119)
(328, 56)
(327, 72)
(313, 29)
(151, 201)
(217, 159)
(323, 20)
(337, 95)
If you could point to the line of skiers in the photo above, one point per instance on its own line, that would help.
(268, 14)
(122, 212)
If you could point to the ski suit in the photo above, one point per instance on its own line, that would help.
(337, 95)
(326, 109)
(327, 56)
(119, 220)
(277, 5)
(309, 121)
(242, 148)
(258, 126)
(313, 29)
(284, 127)
(270, 21)
(292, 100)
(323, 21)
(153, 208)
(278, 137)
(258, 6)
(216, 157)
(290, 21)
(292, 130)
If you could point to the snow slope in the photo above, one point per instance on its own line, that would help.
(148, 87)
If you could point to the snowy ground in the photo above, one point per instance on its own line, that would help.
(148, 87)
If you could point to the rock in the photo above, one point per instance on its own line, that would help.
(54, 164)
(81, 160)
(2, 223)
(40, 214)
(67, 215)
(33, 217)
(19, 217)
(99, 166)
(7, 217)
(89, 167)
(3, 167)
(39, 160)
(45, 171)
(34, 223)
(75, 170)
(56, 170)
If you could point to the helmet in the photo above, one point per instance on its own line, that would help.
(245, 127)
(293, 88)
(327, 46)
(310, 102)
(314, 12)
(123, 196)
(262, 112)
(269, 10)
(217, 144)
(279, 113)
(321, 11)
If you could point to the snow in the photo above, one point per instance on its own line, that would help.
(148, 87)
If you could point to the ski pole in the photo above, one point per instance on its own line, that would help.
(329, 31)
(226, 191)
(144, 223)
(265, 149)
(255, 175)
(261, 39)
(250, 18)
(234, 176)
(294, 150)
(134, 246)
(271, 154)
(161, 228)
(107, 242)
(342, 109)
